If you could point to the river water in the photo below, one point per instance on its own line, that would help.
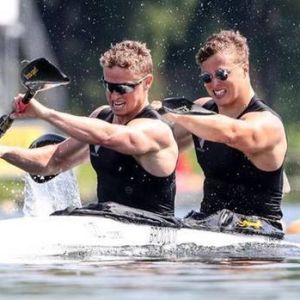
(214, 278)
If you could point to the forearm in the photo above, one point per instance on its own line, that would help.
(137, 138)
(85, 129)
(259, 132)
(89, 130)
(29, 160)
(215, 128)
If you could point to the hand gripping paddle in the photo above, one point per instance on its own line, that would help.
(37, 75)
(183, 106)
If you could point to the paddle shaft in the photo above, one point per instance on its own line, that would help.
(6, 121)
(28, 96)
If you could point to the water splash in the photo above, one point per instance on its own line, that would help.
(42, 199)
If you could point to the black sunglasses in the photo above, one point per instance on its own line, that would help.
(121, 88)
(221, 74)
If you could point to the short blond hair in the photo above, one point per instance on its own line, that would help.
(225, 40)
(132, 55)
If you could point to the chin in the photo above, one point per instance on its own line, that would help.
(119, 113)
(224, 101)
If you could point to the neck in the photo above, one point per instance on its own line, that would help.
(235, 109)
(124, 119)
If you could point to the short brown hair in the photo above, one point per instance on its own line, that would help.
(132, 55)
(225, 40)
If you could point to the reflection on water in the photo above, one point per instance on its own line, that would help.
(181, 278)
(150, 279)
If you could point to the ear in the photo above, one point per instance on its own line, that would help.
(148, 81)
(246, 68)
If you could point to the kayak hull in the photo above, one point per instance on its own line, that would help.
(73, 237)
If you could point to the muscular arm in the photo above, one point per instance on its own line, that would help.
(253, 133)
(51, 159)
(138, 137)
(259, 135)
(150, 141)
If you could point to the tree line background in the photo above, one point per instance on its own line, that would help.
(80, 31)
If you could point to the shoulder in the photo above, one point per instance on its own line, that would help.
(150, 123)
(154, 128)
(203, 100)
(97, 111)
(264, 119)
(265, 115)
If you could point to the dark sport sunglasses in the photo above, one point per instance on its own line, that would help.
(221, 74)
(121, 88)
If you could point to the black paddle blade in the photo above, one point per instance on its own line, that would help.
(40, 74)
(37, 75)
(183, 106)
(44, 140)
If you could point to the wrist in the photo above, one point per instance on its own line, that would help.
(47, 114)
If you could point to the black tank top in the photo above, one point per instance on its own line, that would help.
(233, 182)
(121, 179)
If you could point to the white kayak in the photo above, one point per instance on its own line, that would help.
(38, 239)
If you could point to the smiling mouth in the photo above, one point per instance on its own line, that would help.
(219, 93)
(118, 104)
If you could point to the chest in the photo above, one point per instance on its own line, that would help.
(221, 161)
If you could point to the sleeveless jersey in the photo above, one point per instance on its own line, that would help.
(123, 180)
(233, 182)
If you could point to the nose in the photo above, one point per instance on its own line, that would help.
(113, 95)
(214, 81)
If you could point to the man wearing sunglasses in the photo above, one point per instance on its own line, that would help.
(241, 148)
(131, 149)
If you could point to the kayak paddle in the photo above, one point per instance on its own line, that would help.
(183, 106)
(44, 140)
(37, 75)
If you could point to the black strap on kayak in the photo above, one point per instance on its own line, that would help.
(122, 213)
(228, 221)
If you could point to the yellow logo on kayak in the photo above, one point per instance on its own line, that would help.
(32, 73)
(250, 223)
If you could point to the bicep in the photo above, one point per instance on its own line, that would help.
(259, 131)
(141, 136)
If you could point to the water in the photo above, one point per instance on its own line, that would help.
(124, 278)
(57, 194)
(214, 279)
